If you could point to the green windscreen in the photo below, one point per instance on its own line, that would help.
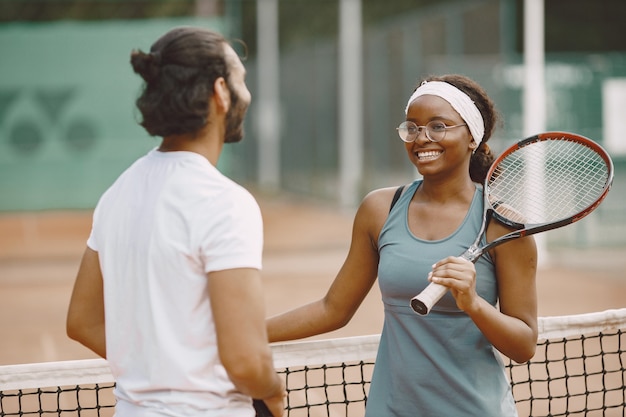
(68, 123)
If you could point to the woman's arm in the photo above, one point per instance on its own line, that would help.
(515, 333)
(352, 283)
(512, 329)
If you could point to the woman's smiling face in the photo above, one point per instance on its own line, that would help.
(453, 151)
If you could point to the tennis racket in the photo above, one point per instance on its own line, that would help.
(261, 409)
(541, 183)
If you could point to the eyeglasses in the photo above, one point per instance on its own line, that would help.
(435, 131)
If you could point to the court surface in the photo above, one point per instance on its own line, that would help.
(305, 244)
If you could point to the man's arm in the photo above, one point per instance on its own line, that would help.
(85, 316)
(238, 307)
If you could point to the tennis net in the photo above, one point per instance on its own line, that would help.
(579, 370)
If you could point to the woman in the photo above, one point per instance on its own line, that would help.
(442, 364)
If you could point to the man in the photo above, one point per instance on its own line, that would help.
(168, 287)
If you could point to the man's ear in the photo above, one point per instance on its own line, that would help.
(221, 94)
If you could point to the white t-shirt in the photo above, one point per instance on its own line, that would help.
(167, 221)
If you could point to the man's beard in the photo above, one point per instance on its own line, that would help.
(234, 118)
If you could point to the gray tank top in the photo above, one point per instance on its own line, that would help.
(439, 364)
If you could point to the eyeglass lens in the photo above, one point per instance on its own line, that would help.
(409, 131)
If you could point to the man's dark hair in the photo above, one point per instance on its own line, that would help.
(179, 74)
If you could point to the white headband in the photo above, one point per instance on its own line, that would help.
(459, 101)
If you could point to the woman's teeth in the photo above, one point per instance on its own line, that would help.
(428, 155)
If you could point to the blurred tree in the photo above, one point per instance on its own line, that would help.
(571, 25)
(580, 25)
(303, 19)
(51, 10)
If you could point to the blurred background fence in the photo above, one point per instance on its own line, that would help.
(68, 125)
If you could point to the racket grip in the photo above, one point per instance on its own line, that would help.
(424, 301)
(261, 409)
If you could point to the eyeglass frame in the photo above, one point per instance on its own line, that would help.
(425, 129)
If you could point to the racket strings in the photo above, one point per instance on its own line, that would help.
(548, 181)
(586, 170)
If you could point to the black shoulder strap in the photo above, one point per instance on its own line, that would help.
(396, 196)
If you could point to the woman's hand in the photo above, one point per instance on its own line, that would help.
(459, 275)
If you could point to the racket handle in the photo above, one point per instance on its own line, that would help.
(261, 409)
(424, 301)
